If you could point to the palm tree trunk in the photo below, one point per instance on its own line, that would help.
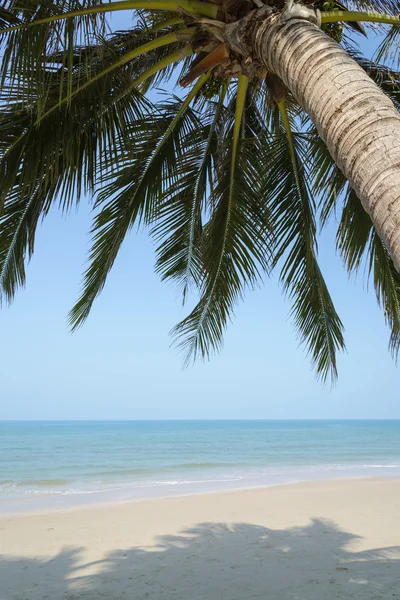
(358, 123)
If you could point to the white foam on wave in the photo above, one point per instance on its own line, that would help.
(248, 478)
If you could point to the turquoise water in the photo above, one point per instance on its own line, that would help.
(127, 459)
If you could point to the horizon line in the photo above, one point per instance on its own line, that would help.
(114, 420)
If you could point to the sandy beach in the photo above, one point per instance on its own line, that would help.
(308, 541)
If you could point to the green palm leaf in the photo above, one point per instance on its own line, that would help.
(100, 69)
(134, 194)
(55, 154)
(235, 246)
(179, 224)
(387, 288)
(354, 232)
(25, 48)
(357, 239)
(327, 182)
(30, 49)
(379, 6)
(388, 50)
(18, 224)
(386, 78)
(293, 221)
(54, 14)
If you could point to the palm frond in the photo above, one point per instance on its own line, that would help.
(154, 44)
(57, 152)
(357, 240)
(24, 48)
(134, 194)
(225, 178)
(18, 225)
(327, 181)
(379, 6)
(116, 54)
(389, 48)
(60, 157)
(386, 78)
(293, 221)
(235, 245)
(37, 49)
(157, 23)
(354, 232)
(387, 288)
(59, 162)
(53, 12)
(179, 226)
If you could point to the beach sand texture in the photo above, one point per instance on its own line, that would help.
(310, 541)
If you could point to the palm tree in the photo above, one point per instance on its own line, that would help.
(284, 123)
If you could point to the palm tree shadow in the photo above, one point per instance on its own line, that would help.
(214, 561)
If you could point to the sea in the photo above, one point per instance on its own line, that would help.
(59, 464)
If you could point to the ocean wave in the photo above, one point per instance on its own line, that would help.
(192, 466)
(45, 483)
(239, 478)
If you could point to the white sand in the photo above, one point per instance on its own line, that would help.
(314, 541)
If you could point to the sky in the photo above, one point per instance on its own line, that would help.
(121, 365)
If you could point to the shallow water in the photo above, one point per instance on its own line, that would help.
(47, 463)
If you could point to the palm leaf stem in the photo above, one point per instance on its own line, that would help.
(164, 24)
(198, 188)
(205, 9)
(289, 133)
(352, 15)
(239, 110)
(168, 60)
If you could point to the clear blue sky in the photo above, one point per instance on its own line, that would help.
(121, 365)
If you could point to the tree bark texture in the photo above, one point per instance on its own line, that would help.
(357, 121)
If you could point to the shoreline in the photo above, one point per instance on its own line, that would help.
(310, 540)
(57, 465)
(64, 504)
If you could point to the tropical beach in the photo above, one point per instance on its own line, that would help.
(314, 541)
(54, 465)
(203, 509)
(250, 146)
